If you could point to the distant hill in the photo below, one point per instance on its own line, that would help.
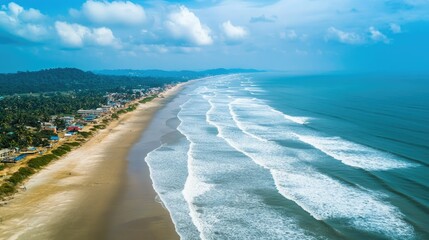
(176, 74)
(72, 79)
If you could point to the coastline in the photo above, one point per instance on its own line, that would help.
(71, 197)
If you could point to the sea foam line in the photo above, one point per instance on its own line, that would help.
(251, 102)
(332, 200)
(192, 182)
(354, 154)
(212, 221)
(349, 153)
(171, 199)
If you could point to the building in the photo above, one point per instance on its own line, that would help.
(49, 127)
(96, 112)
(74, 128)
(68, 119)
(6, 152)
(106, 108)
(89, 118)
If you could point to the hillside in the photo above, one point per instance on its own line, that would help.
(72, 79)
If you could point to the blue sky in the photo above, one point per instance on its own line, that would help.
(291, 35)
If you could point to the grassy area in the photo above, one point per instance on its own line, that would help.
(37, 163)
(6, 189)
(85, 134)
(100, 126)
(73, 144)
(148, 99)
(10, 186)
(20, 175)
(62, 150)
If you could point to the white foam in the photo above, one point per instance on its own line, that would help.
(254, 90)
(349, 153)
(252, 105)
(323, 197)
(168, 173)
(299, 120)
(240, 125)
(326, 198)
(194, 185)
(353, 154)
(222, 211)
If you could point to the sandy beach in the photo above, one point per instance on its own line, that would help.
(71, 197)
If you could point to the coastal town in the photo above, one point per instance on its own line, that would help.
(63, 132)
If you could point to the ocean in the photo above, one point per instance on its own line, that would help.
(283, 156)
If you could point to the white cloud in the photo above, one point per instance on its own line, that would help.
(18, 12)
(377, 36)
(15, 9)
(233, 33)
(23, 23)
(103, 36)
(76, 35)
(344, 37)
(32, 15)
(116, 12)
(395, 28)
(184, 25)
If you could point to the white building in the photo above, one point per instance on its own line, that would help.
(5, 152)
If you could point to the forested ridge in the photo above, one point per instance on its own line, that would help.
(72, 79)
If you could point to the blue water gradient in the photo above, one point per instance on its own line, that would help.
(276, 156)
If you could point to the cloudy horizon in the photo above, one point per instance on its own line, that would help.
(287, 35)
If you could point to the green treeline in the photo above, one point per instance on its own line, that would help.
(71, 79)
(29, 98)
(21, 116)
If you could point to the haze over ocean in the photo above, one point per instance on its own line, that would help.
(275, 156)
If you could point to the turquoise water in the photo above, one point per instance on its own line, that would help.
(275, 156)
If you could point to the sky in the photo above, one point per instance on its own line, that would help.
(385, 36)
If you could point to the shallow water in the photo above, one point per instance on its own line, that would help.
(271, 156)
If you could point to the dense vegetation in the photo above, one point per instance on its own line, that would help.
(20, 116)
(71, 79)
(57, 92)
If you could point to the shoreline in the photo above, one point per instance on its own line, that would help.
(136, 215)
(71, 197)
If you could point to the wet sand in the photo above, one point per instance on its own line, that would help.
(135, 214)
(72, 198)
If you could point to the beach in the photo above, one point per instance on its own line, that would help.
(72, 197)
